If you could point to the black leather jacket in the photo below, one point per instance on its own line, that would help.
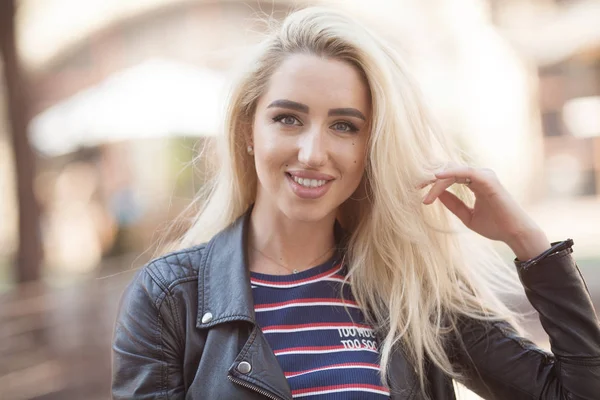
(186, 323)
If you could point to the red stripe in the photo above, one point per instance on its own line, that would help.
(288, 374)
(326, 273)
(333, 387)
(309, 348)
(316, 325)
(302, 301)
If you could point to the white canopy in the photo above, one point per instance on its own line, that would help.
(154, 99)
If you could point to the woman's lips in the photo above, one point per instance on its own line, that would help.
(305, 192)
(310, 175)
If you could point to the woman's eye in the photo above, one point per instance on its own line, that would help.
(287, 120)
(344, 127)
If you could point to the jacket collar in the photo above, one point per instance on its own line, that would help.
(224, 292)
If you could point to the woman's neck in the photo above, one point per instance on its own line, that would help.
(275, 241)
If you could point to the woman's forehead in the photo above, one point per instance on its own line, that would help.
(319, 81)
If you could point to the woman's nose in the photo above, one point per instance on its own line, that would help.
(313, 148)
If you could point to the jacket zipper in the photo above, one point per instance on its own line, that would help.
(253, 387)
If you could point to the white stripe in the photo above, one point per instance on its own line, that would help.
(285, 353)
(386, 393)
(288, 285)
(340, 280)
(334, 367)
(315, 328)
(279, 285)
(319, 303)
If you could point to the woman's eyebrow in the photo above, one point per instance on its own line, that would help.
(292, 105)
(346, 112)
(303, 108)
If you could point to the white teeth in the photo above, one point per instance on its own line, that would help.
(309, 182)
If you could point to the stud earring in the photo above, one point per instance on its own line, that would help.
(250, 150)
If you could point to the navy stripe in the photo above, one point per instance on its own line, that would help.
(326, 289)
(329, 346)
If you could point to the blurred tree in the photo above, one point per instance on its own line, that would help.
(29, 254)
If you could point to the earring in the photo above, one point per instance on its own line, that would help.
(250, 150)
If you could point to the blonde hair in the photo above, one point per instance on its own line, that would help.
(412, 268)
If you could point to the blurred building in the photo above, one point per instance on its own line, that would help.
(515, 81)
(125, 90)
(562, 38)
(128, 83)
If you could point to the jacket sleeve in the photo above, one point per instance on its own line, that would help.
(498, 364)
(146, 348)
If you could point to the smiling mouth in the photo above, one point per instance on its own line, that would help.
(307, 183)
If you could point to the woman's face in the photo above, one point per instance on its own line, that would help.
(310, 135)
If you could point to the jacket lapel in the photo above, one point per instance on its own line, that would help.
(224, 295)
(266, 375)
(224, 292)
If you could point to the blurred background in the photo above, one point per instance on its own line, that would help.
(104, 103)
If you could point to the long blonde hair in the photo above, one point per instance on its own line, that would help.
(413, 267)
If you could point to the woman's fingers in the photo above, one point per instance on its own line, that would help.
(424, 184)
(461, 173)
(457, 207)
(438, 188)
(464, 172)
(481, 181)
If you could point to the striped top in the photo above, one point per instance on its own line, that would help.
(326, 351)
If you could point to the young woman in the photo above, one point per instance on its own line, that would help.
(326, 261)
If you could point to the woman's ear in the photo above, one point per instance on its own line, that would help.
(248, 137)
(249, 145)
(249, 132)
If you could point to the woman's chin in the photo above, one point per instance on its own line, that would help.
(309, 213)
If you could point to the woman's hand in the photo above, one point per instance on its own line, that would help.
(495, 214)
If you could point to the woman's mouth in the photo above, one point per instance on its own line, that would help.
(309, 182)
(307, 188)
